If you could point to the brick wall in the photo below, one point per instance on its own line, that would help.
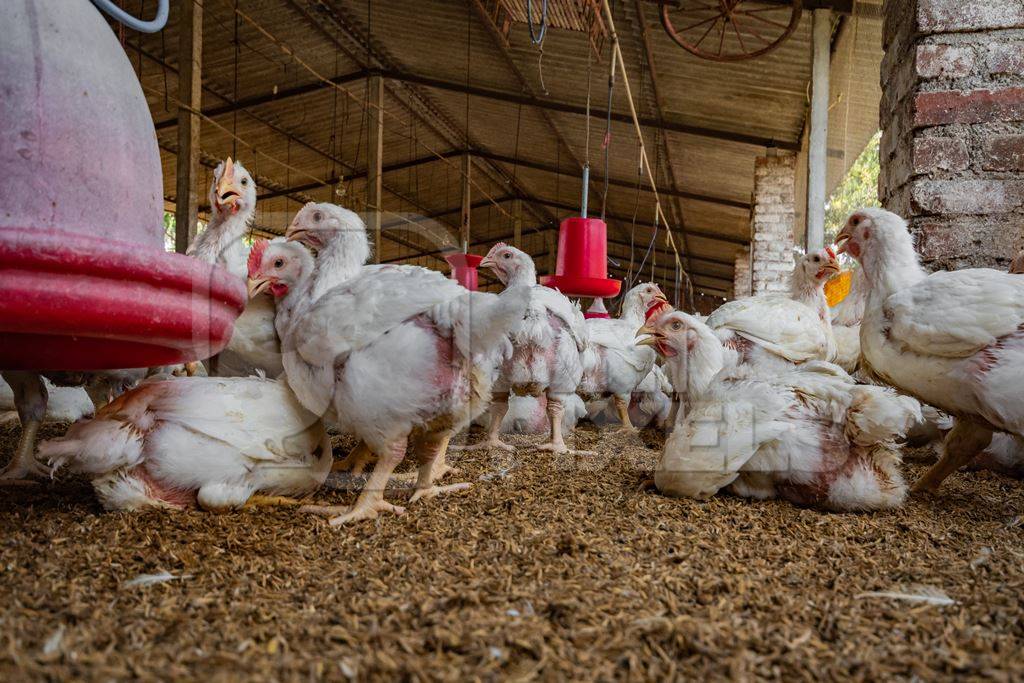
(772, 218)
(952, 116)
(741, 274)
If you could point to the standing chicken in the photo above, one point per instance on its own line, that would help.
(254, 345)
(951, 339)
(649, 405)
(612, 362)
(809, 434)
(392, 354)
(771, 332)
(547, 344)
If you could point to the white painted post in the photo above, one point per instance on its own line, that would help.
(817, 146)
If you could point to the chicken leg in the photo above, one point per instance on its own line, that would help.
(965, 441)
(497, 410)
(30, 397)
(622, 407)
(430, 454)
(371, 499)
(356, 460)
(557, 445)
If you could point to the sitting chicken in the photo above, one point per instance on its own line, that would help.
(392, 355)
(809, 433)
(64, 404)
(31, 399)
(212, 441)
(772, 332)
(612, 363)
(954, 340)
(547, 343)
(254, 345)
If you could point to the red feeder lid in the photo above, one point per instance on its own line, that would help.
(582, 267)
(464, 268)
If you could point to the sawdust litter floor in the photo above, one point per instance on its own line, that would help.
(547, 568)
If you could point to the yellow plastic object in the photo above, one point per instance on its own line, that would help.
(838, 287)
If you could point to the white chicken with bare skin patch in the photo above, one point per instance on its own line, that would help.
(954, 340)
(254, 344)
(612, 363)
(394, 355)
(809, 434)
(547, 343)
(772, 332)
(221, 443)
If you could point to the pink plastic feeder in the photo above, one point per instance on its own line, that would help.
(596, 310)
(85, 282)
(582, 268)
(464, 269)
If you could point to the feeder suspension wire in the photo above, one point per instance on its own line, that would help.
(645, 164)
(361, 101)
(607, 142)
(537, 37)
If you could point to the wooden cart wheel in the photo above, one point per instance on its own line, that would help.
(730, 30)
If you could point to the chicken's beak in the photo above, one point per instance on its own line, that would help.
(842, 240)
(258, 285)
(652, 338)
(488, 262)
(228, 190)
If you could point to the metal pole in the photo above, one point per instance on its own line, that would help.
(817, 147)
(375, 158)
(190, 94)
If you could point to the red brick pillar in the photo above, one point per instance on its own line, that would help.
(952, 117)
(772, 218)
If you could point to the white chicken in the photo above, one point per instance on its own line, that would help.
(254, 345)
(212, 441)
(529, 415)
(846, 317)
(392, 355)
(809, 433)
(649, 405)
(547, 346)
(612, 363)
(65, 404)
(772, 332)
(31, 400)
(954, 340)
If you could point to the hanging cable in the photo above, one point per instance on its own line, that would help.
(537, 37)
(158, 22)
(607, 142)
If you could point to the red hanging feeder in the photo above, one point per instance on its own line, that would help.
(582, 266)
(464, 269)
(85, 282)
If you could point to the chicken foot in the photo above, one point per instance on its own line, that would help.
(963, 443)
(557, 445)
(261, 501)
(371, 499)
(430, 454)
(30, 397)
(497, 410)
(622, 407)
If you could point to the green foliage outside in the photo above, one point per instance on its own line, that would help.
(169, 230)
(858, 189)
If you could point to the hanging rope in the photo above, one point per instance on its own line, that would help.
(537, 38)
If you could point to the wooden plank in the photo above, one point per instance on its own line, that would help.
(374, 166)
(190, 95)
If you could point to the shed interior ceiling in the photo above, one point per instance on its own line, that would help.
(298, 135)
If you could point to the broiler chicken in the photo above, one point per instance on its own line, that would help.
(529, 415)
(31, 399)
(392, 355)
(64, 404)
(212, 441)
(772, 332)
(612, 363)
(254, 346)
(547, 347)
(649, 405)
(954, 340)
(809, 434)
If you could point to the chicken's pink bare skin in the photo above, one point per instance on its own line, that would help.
(953, 339)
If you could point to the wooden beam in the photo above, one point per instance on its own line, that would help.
(374, 165)
(190, 95)
(617, 182)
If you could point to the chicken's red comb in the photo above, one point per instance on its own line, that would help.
(657, 308)
(259, 247)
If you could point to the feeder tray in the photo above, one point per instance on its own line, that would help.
(85, 283)
(582, 266)
(596, 310)
(464, 269)
(838, 287)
